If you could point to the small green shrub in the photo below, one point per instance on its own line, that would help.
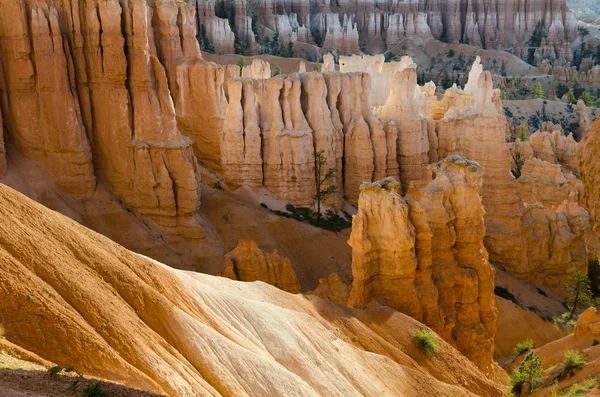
(94, 390)
(523, 347)
(54, 370)
(529, 373)
(578, 389)
(427, 341)
(450, 53)
(572, 362)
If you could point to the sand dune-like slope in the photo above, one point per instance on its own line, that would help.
(75, 298)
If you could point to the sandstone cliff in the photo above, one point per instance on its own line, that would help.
(247, 262)
(85, 79)
(445, 279)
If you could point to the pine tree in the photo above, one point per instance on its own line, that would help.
(587, 98)
(580, 293)
(241, 63)
(324, 181)
(529, 373)
(571, 97)
(538, 91)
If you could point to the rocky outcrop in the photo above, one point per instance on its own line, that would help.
(585, 119)
(333, 289)
(589, 170)
(554, 147)
(402, 107)
(471, 127)
(555, 243)
(427, 258)
(247, 262)
(257, 70)
(460, 267)
(543, 182)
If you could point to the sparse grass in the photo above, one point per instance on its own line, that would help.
(94, 390)
(565, 319)
(427, 341)
(572, 362)
(523, 347)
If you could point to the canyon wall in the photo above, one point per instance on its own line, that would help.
(426, 258)
(377, 26)
(107, 89)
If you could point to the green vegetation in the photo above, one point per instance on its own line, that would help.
(54, 370)
(523, 347)
(578, 389)
(571, 98)
(572, 362)
(427, 341)
(331, 221)
(580, 294)
(538, 91)
(316, 67)
(276, 72)
(289, 53)
(528, 374)
(241, 63)
(324, 180)
(450, 53)
(317, 37)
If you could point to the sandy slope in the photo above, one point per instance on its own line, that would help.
(75, 298)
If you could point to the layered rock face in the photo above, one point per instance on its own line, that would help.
(427, 258)
(247, 262)
(90, 78)
(377, 26)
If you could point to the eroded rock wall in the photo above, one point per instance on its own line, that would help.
(247, 262)
(377, 26)
(275, 125)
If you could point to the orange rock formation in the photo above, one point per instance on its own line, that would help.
(445, 279)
